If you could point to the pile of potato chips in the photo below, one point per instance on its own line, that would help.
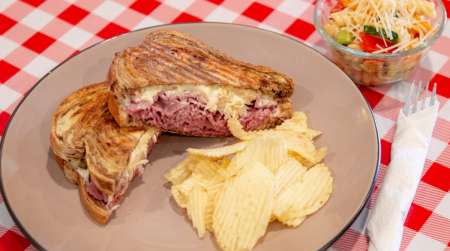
(235, 191)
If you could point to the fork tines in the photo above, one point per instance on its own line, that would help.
(433, 95)
(414, 98)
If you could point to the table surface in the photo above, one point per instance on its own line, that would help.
(36, 35)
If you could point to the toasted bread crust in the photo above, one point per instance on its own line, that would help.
(168, 57)
(79, 111)
(118, 114)
(69, 173)
(98, 212)
(285, 107)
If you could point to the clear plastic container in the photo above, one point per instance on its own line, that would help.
(376, 69)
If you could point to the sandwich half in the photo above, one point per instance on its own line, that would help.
(95, 153)
(178, 84)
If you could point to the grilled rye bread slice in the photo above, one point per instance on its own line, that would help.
(178, 84)
(94, 152)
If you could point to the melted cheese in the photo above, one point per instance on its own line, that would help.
(138, 156)
(230, 100)
(80, 167)
(84, 173)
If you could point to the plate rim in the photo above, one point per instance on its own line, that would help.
(37, 245)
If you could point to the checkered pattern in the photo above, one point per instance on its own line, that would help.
(35, 35)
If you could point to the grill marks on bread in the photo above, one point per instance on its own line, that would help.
(171, 57)
(74, 116)
(83, 128)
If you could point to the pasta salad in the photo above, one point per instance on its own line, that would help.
(381, 26)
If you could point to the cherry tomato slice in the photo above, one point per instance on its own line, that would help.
(371, 43)
(414, 33)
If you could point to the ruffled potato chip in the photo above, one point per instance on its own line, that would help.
(297, 123)
(196, 209)
(182, 191)
(244, 209)
(213, 195)
(267, 149)
(294, 222)
(289, 173)
(304, 151)
(206, 168)
(218, 152)
(237, 190)
(180, 173)
(238, 131)
(179, 198)
(304, 197)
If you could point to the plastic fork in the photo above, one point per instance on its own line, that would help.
(414, 103)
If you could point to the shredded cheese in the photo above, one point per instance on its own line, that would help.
(406, 45)
(393, 46)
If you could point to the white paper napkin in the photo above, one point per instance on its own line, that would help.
(408, 153)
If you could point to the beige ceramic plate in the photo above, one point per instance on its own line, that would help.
(47, 207)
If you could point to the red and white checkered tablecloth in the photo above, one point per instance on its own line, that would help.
(36, 35)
